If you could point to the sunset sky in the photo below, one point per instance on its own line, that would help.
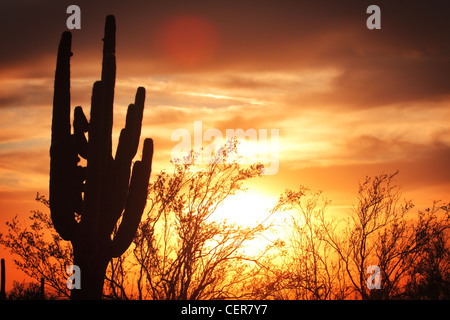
(347, 101)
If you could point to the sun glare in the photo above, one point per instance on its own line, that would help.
(247, 209)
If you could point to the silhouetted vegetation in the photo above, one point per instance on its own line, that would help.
(29, 291)
(42, 253)
(3, 278)
(328, 258)
(180, 252)
(86, 203)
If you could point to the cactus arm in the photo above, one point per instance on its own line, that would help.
(129, 137)
(126, 150)
(122, 168)
(80, 126)
(63, 163)
(136, 201)
(139, 103)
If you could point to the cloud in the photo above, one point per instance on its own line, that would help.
(340, 94)
(25, 170)
(23, 92)
(406, 60)
(423, 178)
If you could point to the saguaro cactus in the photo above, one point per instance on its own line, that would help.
(87, 203)
(2, 290)
(42, 289)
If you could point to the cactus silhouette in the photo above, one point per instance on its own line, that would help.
(87, 203)
(2, 291)
(42, 289)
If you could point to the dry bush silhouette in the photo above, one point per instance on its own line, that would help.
(179, 253)
(309, 270)
(328, 257)
(40, 250)
(183, 253)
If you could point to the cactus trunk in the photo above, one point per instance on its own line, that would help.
(93, 268)
(102, 192)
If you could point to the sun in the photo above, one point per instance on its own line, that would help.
(249, 209)
(246, 209)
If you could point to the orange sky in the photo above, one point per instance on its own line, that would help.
(348, 101)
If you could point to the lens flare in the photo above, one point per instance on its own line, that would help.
(188, 40)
